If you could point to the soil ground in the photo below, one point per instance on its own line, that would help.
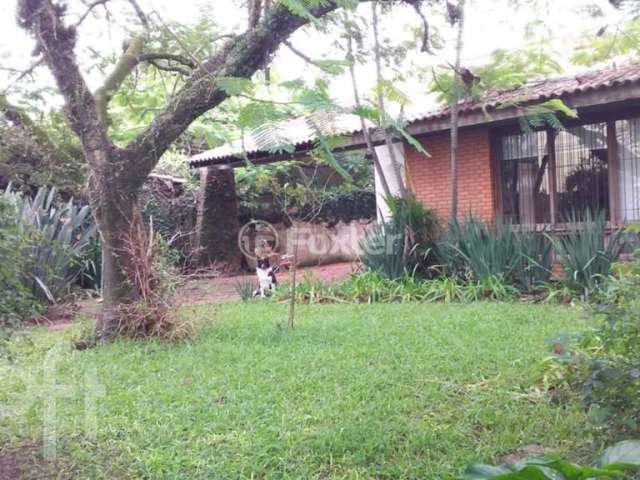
(197, 291)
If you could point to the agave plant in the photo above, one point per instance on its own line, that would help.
(479, 250)
(57, 235)
(244, 288)
(584, 252)
(535, 258)
(476, 250)
(383, 250)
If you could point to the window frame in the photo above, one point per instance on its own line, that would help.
(609, 118)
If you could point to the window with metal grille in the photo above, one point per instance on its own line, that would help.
(581, 171)
(548, 177)
(525, 178)
(628, 156)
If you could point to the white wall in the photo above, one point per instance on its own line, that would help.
(384, 157)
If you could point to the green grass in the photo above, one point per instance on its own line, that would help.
(357, 391)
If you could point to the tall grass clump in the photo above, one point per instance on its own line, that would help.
(475, 250)
(405, 243)
(245, 288)
(154, 313)
(382, 249)
(584, 252)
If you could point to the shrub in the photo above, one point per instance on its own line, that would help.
(154, 314)
(476, 250)
(445, 289)
(383, 250)
(605, 366)
(90, 265)
(613, 381)
(403, 244)
(173, 214)
(16, 302)
(421, 228)
(57, 235)
(374, 287)
(584, 253)
(534, 252)
(411, 212)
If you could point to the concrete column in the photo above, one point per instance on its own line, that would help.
(384, 157)
(217, 224)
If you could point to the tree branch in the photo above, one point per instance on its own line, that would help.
(255, 12)
(416, 4)
(239, 57)
(140, 13)
(121, 71)
(168, 67)
(149, 57)
(56, 42)
(303, 56)
(89, 9)
(19, 118)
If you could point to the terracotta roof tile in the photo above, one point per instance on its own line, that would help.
(297, 132)
(546, 89)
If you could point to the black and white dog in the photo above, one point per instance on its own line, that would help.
(266, 277)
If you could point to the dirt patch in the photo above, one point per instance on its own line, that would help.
(223, 289)
(196, 290)
(25, 462)
(57, 317)
(528, 451)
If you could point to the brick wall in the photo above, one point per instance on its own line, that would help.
(428, 177)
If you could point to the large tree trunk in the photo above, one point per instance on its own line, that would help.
(118, 173)
(114, 202)
(217, 224)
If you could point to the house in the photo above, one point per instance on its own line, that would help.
(531, 177)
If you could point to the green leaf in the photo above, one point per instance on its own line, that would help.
(623, 455)
(324, 150)
(530, 472)
(391, 92)
(558, 106)
(333, 67)
(255, 114)
(235, 85)
(481, 471)
(571, 471)
(368, 112)
(302, 8)
(410, 139)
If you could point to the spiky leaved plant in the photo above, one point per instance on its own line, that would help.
(383, 249)
(57, 235)
(584, 251)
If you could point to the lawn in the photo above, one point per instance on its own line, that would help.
(357, 391)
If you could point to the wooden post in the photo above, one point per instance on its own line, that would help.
(553, 186)
(613, 169)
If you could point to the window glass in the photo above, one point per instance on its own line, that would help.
(525, 178)
(582, 179)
